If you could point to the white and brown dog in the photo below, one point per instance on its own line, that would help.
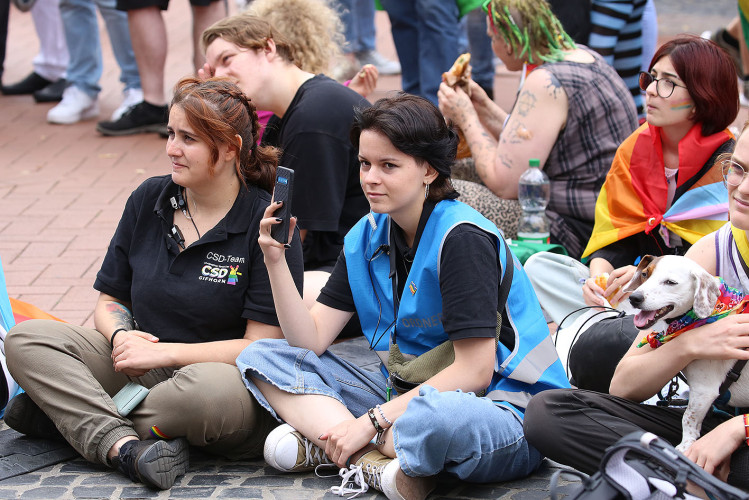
(666, 289)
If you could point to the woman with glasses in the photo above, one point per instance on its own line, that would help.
(664, 191)
(571, 113)
(574, 427)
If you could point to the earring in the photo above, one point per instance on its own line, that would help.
(426, 191)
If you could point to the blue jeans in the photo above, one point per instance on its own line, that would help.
(358, 18)
(82, 36)
(426, 36)
(468, 437)
(482, 55)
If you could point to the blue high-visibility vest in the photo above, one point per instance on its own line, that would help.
(526, 360)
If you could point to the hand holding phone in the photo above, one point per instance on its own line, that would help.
(282, 192)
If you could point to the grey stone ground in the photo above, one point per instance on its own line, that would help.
(210, 477)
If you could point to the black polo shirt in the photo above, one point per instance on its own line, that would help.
(206, 292)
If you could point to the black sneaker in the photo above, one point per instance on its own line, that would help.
(143, 117)
(154, 463)
(28, 85)
(24, 416)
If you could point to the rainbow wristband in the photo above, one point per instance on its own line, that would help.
(746, 428)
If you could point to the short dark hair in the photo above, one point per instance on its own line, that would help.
(417, 128)
(710, 77)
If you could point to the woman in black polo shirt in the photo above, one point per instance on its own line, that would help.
(183, 290)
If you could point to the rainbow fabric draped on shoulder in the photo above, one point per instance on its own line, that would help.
(634, 196)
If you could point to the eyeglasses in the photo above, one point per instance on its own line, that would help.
(733, 173)
(663, 86)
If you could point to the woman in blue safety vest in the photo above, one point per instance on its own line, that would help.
(419, 270)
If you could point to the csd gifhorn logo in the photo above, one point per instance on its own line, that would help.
(220, 274)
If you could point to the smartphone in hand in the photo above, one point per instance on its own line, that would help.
(282, 192)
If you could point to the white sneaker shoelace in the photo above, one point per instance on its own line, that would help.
(357, 479)
(313, 454)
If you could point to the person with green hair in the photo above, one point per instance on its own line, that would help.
(572, 112)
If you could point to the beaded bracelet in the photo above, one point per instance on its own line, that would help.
(746, 428)
(111, 339)
(382, 414)
(380, 440)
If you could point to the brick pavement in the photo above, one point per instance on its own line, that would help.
(62, 190)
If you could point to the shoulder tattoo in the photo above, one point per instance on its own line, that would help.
(554, 86)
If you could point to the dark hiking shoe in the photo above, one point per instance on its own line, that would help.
(141, 118)
(24, 416)
(154, 463)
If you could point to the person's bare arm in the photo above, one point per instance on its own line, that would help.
(538, 116)
(133, 352)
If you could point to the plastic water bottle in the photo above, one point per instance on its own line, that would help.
(534, 192)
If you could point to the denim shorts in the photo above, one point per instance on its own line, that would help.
(466, 436)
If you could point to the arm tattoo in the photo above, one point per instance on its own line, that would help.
(526, 102)
(121, 315)
(506, 162)
(554, 86)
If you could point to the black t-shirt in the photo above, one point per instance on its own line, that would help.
(314, 136)
(469, 281)
(625, 251)
(209, 290)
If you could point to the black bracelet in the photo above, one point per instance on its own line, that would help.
(380, 440)
(111, 339)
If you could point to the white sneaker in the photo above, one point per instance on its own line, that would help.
(75, 106)
(288, 451)
(130, 98)
(384, 66)
(375, 470)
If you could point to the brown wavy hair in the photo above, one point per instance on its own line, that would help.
(250, 32)
(218, 112)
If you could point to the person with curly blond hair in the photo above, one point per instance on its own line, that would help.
(316, 34)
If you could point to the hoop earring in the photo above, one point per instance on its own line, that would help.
(426, 191)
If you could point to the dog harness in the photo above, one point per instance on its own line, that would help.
(731, 300)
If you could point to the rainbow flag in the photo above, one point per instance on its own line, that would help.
(8, 386)
(634, 196)
(12, 311)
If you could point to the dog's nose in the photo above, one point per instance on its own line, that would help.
(636, 299)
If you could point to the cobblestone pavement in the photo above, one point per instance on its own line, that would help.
(210, 477)
(215, 478)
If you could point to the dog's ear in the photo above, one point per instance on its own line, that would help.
(642, 273)
(706, 293)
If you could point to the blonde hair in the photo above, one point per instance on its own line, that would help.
(312, 28)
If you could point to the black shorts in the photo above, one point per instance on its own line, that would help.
(161, 4)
